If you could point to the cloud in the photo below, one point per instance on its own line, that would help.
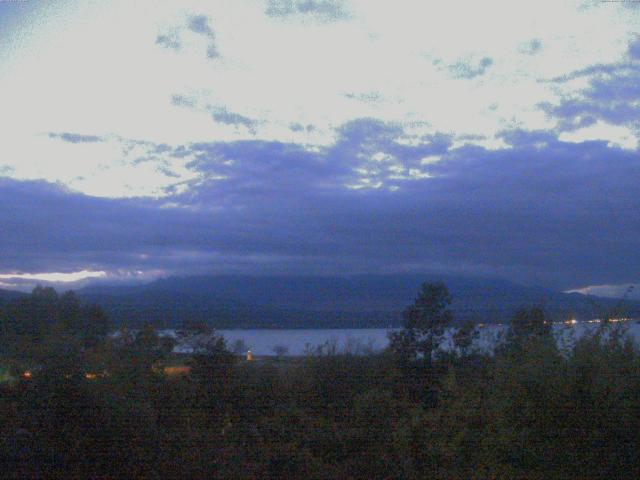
(195, 24)
(70, 229)
(298, 127)
(324, 10)
(610, 96)
(170, 41)
(107, 165)
(531, 47)
(222, 115)
(76, 138)
(528, 212)
(620, 292)
(309, 182)
(219, 113)
(52, 277)
(199, 24)
(183, 101)
(466, 68)
(372, 98)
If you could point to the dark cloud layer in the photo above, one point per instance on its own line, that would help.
(634, 48)
(543, 211)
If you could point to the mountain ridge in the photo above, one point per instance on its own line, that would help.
(358, 301)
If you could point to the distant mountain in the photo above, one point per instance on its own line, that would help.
(327, 302)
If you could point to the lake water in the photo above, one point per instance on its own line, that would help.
(299, 341)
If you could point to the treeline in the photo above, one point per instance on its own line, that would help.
(534, 410)
(31, 321)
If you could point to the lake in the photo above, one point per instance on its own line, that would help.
(299, 341)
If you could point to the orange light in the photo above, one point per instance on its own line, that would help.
(27, 374)
(90, 376)
(180, 370)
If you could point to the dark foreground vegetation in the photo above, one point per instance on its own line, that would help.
(75, 403)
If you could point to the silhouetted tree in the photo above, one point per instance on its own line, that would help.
(95, 325)
(464, 337)
(239, 347)
(280, 351)
(528, 324)
(424, 324)
(70, 312)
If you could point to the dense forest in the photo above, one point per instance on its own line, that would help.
(78, 403)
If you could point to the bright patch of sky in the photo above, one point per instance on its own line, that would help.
(52, 277)
(27, 281)
(617, 136)
(622, 292)
(121, 77)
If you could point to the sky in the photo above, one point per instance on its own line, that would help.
(146, 139)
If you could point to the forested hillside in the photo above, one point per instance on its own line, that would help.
(330, 302)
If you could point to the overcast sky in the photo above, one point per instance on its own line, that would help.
(496, 138)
